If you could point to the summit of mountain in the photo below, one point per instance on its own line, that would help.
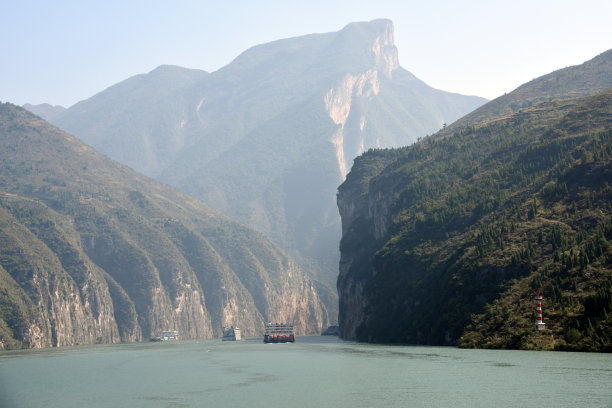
(45, 110)
(355, 48)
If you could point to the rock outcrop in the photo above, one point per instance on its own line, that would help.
(365, 221)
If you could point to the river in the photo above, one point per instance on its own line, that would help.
(313, 372)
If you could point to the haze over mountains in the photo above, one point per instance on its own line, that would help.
(45, 110)
(268, 138)
(446, 241)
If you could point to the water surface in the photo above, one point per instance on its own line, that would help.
(313, 372)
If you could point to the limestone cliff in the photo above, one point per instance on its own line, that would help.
(339, 99)
(69, 299)
(365, 221)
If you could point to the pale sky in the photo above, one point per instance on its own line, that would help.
(61, 52)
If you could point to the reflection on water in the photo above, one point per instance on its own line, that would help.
(313, 372)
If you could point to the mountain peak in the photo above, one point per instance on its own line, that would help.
(385, 50)
(358, 47)
(45, 110)
(380, 36)
(166, 69)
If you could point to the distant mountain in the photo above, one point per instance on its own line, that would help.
(45, 110)
(268, 138)
(446, 241)
(91, 251)
(133, 121)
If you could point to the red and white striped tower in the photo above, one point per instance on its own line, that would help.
(539, 324)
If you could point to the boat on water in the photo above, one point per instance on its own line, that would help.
(168, 335)
(231, 334)
(279, 333)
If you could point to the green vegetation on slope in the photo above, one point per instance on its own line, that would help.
(482, 216)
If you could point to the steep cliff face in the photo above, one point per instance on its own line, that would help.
(91, 252)
(163, 286)
(64, 298)
(339, 99)
(338, 102)
(365, 219)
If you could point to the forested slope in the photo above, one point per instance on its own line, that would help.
(446, 241)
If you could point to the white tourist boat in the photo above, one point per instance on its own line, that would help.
(231, 334)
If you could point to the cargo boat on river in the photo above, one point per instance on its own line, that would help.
(279, 333)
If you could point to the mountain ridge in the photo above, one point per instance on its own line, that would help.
(45, 110)
(571, 82)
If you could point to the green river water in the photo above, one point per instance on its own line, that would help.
(313, 372)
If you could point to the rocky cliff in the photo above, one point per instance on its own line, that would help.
(92, 252)
(365, 218)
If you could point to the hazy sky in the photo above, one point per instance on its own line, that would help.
(61, 52)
